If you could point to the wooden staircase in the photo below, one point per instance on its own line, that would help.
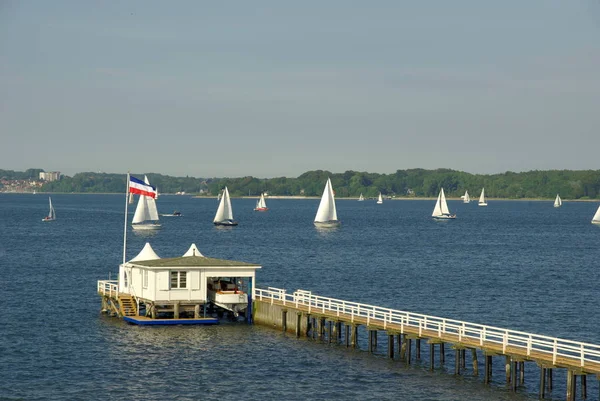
(127, 305)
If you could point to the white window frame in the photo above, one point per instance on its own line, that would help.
(180, 274)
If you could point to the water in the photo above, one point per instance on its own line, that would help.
(520, 265)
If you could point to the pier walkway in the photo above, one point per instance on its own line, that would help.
(312, 311)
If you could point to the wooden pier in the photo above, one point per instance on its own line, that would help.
(306, 314)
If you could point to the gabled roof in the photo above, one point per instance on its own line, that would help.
(147, 253)
(194, 261)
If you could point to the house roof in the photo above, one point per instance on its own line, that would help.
(193, 261)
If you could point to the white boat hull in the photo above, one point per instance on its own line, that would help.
(595, 221)
(146, 227)
(444, 217)
(333, 223)
(482, 204)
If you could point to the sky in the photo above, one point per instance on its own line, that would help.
(275, 88)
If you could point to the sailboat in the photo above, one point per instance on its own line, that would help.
(557, 201)
(327, 214)
(224, 216)
(441, 211)
(466, 197)
(380, 199)
(261, 205)
(361, 197)
(596, 218)
(146, 214)
(482, 201)
(51, 214)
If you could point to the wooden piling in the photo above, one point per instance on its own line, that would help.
(197, 311)
(457, 363)
(431, 356)
(308, 324)
(488, 369)
(570, 385)
(354, 335)
(542, 382)
(298, 323)
(347, 335)
(507, 368)
(370, 341)
(418, 349)
(408, 349)
(390, 346)
(402, 347)
(549, 381)
(330, 331)
(284, 320)
(463, 358)
(475, 362)
(176, 310)
(442, 353)
(583, 386)
(513, 379)
(522, 373)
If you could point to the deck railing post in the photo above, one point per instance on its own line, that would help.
(482, 336)
(460, 332)
(504, 341)
(554, 351)
(582, 355)
(529, 346)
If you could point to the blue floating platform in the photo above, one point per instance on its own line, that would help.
(146, 321)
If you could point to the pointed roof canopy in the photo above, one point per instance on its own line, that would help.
(147, 253)
(193, 251)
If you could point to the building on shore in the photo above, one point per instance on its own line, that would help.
(50, 176)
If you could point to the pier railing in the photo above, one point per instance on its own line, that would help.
(578, 353)
(109, 288)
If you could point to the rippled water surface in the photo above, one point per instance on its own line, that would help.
(520, 265)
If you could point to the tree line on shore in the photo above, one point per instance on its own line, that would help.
(570, 184)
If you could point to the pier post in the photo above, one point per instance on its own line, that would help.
(583, 386)
(322, 328)
(431, 356)
(507, 368)
(463, 358)
(153, 311)
(329, 331)
(408, 342)
(442, 353)
(354, 335)
(176, 310)
(402, 348)
(298, 323)
(391, 346)
(475, 362)
(549, 383)
(197, 311)
(347, 335)
(339, 330)
(513, 379)
(570, 385)
(488, 369)
(375, 338)
(204, 311)
(457, 363)
(418, 348)
(522, 373)
(308, 324)
(542, 382)
(284, 320)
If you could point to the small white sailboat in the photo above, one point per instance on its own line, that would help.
(327, 214)
(146, 213)
(380, 199)
(131, 199)
(51, 214)
(557, 201)
(596, 218)
(361, 197)
(224, 215)
(441, 211)
(466, 197)
(261, 205)
(482, 201)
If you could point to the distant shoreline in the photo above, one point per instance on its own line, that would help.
(306, 197)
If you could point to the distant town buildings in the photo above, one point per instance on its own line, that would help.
(50, 175)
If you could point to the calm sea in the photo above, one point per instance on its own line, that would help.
(520, 265)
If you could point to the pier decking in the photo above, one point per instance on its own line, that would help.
(304, 312)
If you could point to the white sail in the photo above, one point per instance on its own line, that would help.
(482, 201)
(131, 199)
(596, 218)
(466, 198)
(557, 201)
(51, 213)
(437, 209)
(151, 203)
(327, 211)
(224, 212)
(361, 197)
(146, 208)
(380, 199)
(441, 211)
(261, 204)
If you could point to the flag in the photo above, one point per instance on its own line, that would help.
(139, 187)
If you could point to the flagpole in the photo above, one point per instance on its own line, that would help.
(125, 226)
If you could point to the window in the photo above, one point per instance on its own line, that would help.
(178, 279)
(145, 279)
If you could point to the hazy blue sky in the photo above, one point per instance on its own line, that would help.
(276, 88)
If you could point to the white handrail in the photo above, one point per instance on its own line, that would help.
(581, 353)
(108, 287)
